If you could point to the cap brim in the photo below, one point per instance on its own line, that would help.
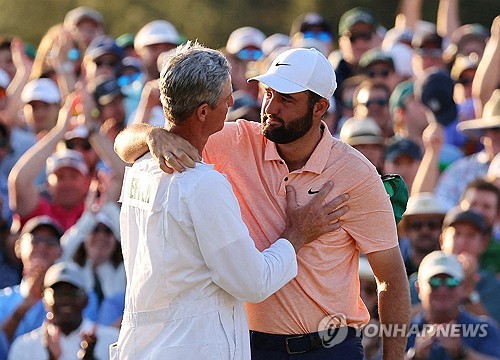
(278, 83)
(438, 269)
(483, 123)
(366, 140)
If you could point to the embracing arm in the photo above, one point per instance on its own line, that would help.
(169, 150)
(394, 299)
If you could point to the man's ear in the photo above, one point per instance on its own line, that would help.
(202, 111)
(321, 107)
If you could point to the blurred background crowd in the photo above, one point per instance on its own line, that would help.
(417, 98)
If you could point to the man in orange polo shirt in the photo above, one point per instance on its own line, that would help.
(292, 146)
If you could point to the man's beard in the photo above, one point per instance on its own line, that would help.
(287, 133)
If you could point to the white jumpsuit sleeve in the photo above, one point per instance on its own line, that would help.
(229, 252)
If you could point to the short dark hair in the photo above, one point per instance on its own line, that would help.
(483, 185)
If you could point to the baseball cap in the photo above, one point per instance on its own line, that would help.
(425, 203)
(437, 262)
(314, 21)
(457, 215)
(103, 45)
(355, 16)
(125, 40)
(402, 92)
(73, 17)
(66, 158)
(244, 37)
(64, 271)
(361, 131)
(435, 90)
(43, 220)
(299, 69)
(403, 146)
(469, 32)
(397, 190)
(374, 56)
(156, 32)
(274, 42)
(79, 132)
(491, 115)
(42, 89)
(106, 91)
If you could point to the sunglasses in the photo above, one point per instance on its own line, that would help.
(322, 36)
(382, 73)
(449, 282)
(249, 54)
(366, 36)
(78, 144)
(110, 63)
(73, 54)
(432, 224)
(379, 102)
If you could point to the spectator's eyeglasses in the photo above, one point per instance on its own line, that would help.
(249, 54)
(382, 73)
(102, 62)
(432, 224)
(449, 282)
(36, 239)
(73, 54)
(366, 36)
(78, 144)
(52, 296)
(379, 102)
(322, 36)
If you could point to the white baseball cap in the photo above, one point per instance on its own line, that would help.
(437, 262)
(64, 271)
(244, 37)
(297, 70)
(42, 89)
(156, 32)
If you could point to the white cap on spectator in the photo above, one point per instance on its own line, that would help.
(156, 32)
(42, 89)
(297, 70)
(244, 37)
(274, 42)
(66, 158)
(437, 262)
(64, 271)
(425, 203)
(73, 17)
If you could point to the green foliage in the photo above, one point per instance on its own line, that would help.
(211, 21)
